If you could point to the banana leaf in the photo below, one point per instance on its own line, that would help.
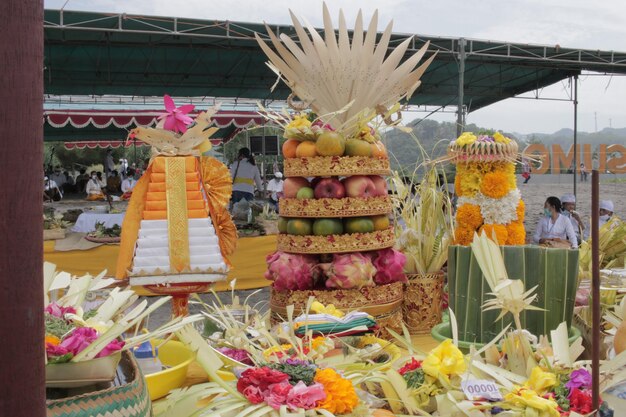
(553, 271)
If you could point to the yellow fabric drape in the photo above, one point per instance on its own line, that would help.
(248, 260)
(177, 224)
(130, 226)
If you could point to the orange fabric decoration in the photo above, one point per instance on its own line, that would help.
(197, 214)
(225, 230)
(155, 196)
(216, 181)
(158, 164)
(161, 186)
(130, 226)
(177, 224)
(159, 177)
(156, 205)
(155, 215)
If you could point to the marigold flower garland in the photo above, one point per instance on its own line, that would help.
(488, 196)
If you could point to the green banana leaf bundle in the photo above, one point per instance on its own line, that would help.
(554, 271)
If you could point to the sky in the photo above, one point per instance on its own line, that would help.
(568, 23)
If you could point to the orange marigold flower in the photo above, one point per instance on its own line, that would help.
(468, 215)
(463, 235)
(521, 211)
(516, 233)
(499, 230)
(341, 397)
(53, 340)
(495, 185)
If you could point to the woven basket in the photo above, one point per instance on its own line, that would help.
(342, 166)
(334, 207)
(53, 234)
(383, 302)
(355, 242)
(421, 307)
(105, 240)
(128, 399)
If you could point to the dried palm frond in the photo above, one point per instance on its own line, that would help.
(331, 72)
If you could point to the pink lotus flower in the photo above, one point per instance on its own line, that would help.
(176, 118)
(276, 394)
(112, 347)
(290, 271)
(58, 311)
(305, 397)
(79, 339)
(351, 270)
(389, 266)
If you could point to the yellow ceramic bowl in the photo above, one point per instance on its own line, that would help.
(177, 357)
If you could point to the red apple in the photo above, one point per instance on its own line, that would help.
(359, 186)
(380, 184)
(329, 188)
(292, 185)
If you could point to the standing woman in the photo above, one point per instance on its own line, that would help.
(245, 175)
(553, 228)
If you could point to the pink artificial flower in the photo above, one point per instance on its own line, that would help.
(112, 347)
(304, 397)
(580, 378)
(79, 339)
(55, 350)
(58, 311)
(253, 394)
(350, 270)
(176, 118)
(389, 266)
(290, 271)
(276, 394)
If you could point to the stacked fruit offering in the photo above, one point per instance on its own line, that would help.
(334, 229)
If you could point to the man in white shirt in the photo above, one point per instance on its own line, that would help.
(606, 211)
(275, 189)
(569, 210)
(51, 191)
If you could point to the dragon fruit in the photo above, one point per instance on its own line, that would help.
(351, 270)
(290, 271)
(389, 267)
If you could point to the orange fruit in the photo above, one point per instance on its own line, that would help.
(289, 148)
(306, 148)
(381, 222)
(379, 150)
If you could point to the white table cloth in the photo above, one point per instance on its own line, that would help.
(86, 222)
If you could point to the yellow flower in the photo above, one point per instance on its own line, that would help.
(444, 361)
(318, 342)
(526, 398)
(467, 138)
(300, 121)
(495, 185)
(341, 397)
(468, 179)
(498, 229)
(541, 381)
(319, 308)
(468, 215)
(500, 138)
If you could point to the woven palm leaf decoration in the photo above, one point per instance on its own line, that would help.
(341, 78)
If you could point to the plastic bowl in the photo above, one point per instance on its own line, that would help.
(443, 331)
(177, 357)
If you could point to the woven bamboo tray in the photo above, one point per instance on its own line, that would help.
(127, 396)
(341, 166)
(421, 308)
(103, 239)
(334, 207)
(355, 242)
(53, 234)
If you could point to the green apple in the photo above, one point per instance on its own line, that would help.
(325, 227)
(358, 147)
(282, 224)
(359, 225)
(305, 193)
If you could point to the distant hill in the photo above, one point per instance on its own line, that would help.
(565, 137)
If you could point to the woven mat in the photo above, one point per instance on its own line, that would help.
(74, 241)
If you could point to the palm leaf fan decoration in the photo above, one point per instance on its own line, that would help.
(216, 180)
(333, 72)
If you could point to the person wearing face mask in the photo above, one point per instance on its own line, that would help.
(128, 184)
(94, 188)
(554, 229)
(606, 211)
(569, 210)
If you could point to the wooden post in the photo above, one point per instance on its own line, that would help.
(22, 390)
(595, 288)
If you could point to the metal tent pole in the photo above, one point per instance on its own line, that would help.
(576, 164)
(22, 393)
(595, 288)
(460, 118)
